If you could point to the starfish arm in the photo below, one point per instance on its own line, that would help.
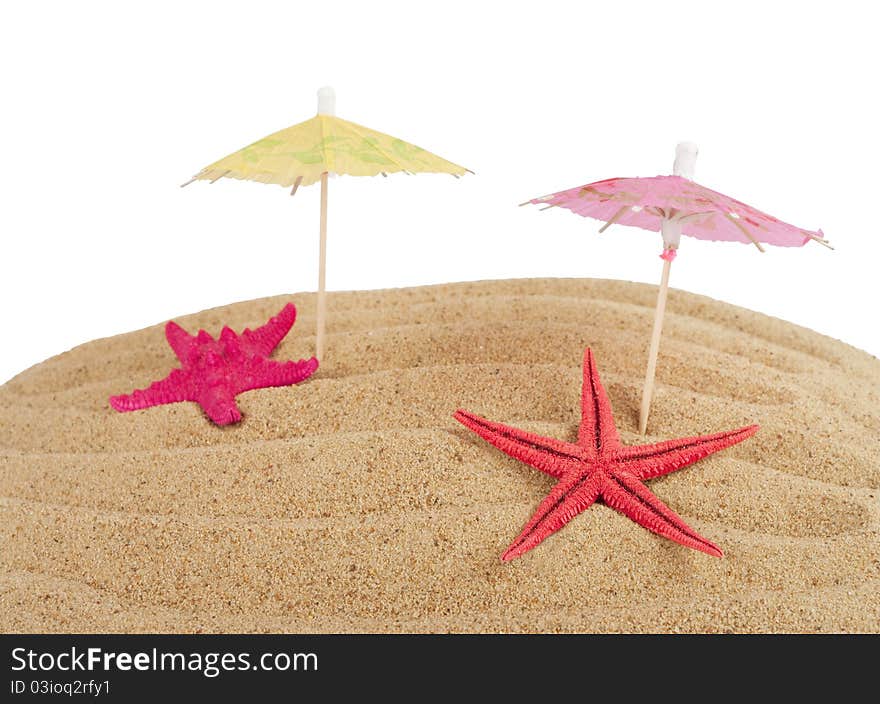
(266, 337)
(259, 372)
(568, 498)
(626, 494)
(597, 431)
(179, 340)
(218, 403)
(173, 388)
(553, 457)
(649, 461)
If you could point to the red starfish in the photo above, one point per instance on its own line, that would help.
(214, 372)
(598, 466)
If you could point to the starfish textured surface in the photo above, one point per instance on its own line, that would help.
(214, 372)
(598, 467)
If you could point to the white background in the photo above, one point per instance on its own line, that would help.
(107, 107)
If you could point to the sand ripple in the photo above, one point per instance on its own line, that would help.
(354, 502)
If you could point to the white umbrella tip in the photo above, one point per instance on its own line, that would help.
(326, 101)
(685, 159)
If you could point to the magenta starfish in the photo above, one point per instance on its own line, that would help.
(598, 466)
(214, 372)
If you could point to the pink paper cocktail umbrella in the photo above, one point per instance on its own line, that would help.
(675, 205)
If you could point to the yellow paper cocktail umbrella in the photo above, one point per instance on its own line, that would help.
(307, 152)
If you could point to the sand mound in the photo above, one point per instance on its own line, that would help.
(355, 502)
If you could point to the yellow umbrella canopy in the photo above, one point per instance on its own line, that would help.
(326, 143)
(307, 152)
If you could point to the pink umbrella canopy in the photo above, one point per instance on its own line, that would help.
(702, 212)
(676, 205)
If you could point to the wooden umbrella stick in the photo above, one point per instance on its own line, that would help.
(322, 267)
(659, 310)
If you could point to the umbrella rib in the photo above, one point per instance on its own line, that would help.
(684, 218)
(817, 239)
(743, 229)
(613, 219)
